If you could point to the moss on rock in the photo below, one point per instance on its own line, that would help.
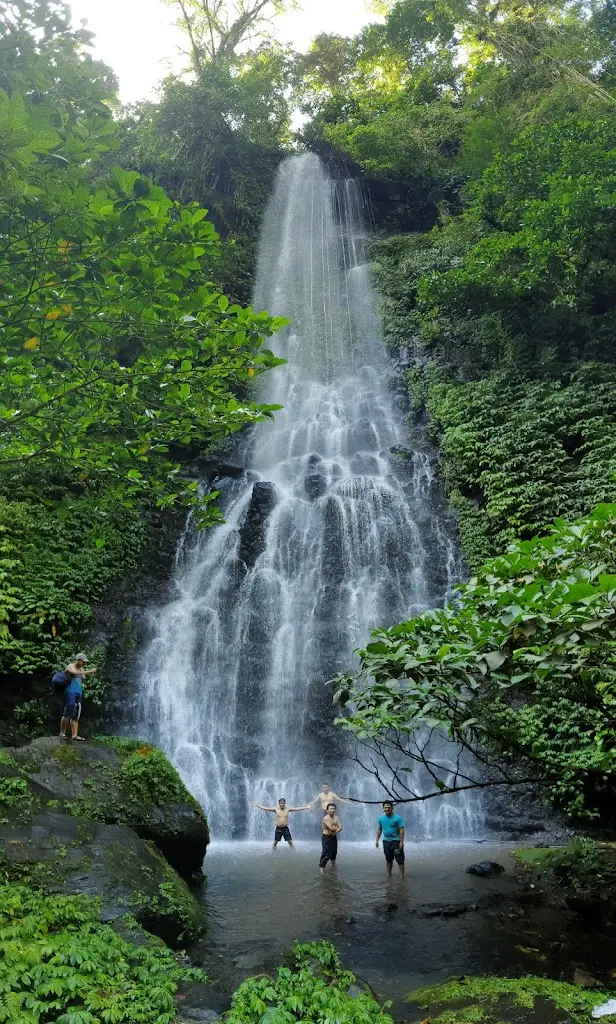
(56, 853)
(494, 1000)
(121, 782)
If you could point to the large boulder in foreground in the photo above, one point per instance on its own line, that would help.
(60, 854)
(121, 782)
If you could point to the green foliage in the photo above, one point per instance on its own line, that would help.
(582, 864)
(58, 963)
(150, 777)
(543, 269)
(314, 987)
(58, 558)
(518, 453)
(14, 794)
(115, 349)
(574, 1001)
(520, 664)
(218, 141)
(518, 382)
(121, 360)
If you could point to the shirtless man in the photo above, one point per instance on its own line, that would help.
(282, 820)
(329, 841)
(326, 797)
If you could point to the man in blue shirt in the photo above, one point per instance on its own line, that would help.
(73, 696)
(391, 827)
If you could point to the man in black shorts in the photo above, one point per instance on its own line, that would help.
(282, 820)
(331, 826)
(391, 827)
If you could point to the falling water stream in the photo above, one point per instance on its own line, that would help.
(335, 527)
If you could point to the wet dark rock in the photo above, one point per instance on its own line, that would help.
(451, 910)
(591, 907)
(585, 980)
(88, 779)
(253, 530)
(485, 869)
(229, 469)
(385, 908)
(315, 485)
(364, 436)
(195, 1013)
(61, 854)
(365, 464)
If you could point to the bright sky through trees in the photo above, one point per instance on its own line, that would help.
(139, 40)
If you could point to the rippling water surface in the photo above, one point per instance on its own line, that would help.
(260, 902)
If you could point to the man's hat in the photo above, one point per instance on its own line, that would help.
(82, 657)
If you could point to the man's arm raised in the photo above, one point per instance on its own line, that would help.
(306, 807)
(260, 807)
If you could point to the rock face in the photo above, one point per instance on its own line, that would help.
(121, 782)
(60, 854)
(69, 818)
(254, 526)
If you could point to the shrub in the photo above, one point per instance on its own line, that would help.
(59, 963)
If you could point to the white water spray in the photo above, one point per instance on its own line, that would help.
(328, 534)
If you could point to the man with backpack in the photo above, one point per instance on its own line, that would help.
(69, 685)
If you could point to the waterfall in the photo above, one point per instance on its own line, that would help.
(335, 527)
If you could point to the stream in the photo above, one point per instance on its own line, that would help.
(395, 934)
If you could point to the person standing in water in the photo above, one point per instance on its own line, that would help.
(391, 827)
(329, 840)
(325, 797)
(282, 820)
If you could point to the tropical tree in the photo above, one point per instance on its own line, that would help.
(518, 671)
(217, 28)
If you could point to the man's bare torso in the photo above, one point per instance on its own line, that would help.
(331, 826)
(327, 798)
(282, 816)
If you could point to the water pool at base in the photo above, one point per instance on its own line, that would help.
(396, 935)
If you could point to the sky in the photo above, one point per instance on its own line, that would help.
(138, 39)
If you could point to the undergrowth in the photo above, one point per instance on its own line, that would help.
(59, 964)
(313, 987)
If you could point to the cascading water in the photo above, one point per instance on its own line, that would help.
(328, 534)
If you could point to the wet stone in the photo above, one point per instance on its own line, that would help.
(485, 869)
(315, 485)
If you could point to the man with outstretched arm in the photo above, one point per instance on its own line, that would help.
(391, 827)
(282, 820)
(326, 797)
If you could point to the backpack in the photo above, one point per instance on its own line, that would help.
(59, 681)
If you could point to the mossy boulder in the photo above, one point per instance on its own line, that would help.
(58, 853)
(488, 1000)
(121, 782)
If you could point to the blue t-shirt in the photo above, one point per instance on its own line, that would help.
(74, 690)
(391, 826)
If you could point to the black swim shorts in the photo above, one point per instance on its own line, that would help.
(72, 711)
(329, 849)
(282, 833)
(392, 851)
